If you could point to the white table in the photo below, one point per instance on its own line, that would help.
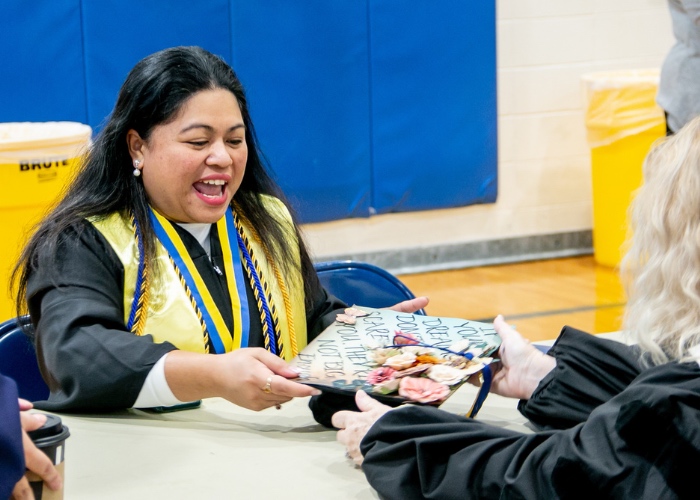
(223, 451)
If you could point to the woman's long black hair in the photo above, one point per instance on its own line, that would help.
(153, 93)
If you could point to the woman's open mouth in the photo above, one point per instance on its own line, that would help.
(212, 190)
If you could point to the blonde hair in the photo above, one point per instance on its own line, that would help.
(661, 269)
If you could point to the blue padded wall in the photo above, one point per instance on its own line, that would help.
(433, 87)
(306, 74)
(361, 106)
(119, 33)
(42, 74)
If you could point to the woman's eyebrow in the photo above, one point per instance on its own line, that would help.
(209, 128)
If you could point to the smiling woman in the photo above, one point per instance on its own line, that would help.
(171, 243)
(203, 153)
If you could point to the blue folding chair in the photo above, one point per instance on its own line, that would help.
(362, 284)
(18, 361)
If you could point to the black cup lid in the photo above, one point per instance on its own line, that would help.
(52, 427)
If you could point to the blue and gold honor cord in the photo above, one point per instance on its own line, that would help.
(280, 283)
(221, 338)
(268, 313)
(137, 315)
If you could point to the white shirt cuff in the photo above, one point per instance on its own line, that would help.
(155, 390)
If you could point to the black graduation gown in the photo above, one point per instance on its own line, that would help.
(615, 431)
(86, 355)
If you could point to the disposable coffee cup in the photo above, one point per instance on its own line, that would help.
(51, 439)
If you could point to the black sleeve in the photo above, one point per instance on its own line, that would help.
(11, 452)
(86, 355)
(589, 372)
(641, 444)
(322, 313)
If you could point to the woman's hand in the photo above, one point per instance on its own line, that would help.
(250, 377)
(36, 460)
(410, 306)
(354, 425)
(257, 379)
(522, 366)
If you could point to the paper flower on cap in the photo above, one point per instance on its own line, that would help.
(380, 355)
(446, 374)
(401, 338)
(386, 387)
(428, 359)
(414, 370)
(346, 318)
(422, 390)
(353, 311)
(401, 361)
(381, 374)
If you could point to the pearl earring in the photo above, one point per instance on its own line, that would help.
(137, 172)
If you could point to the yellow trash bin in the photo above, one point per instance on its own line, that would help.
(36, 162)
(622, 122)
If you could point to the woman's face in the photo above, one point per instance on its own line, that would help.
(193, 165)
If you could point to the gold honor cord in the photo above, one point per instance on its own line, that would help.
(139, 309)
(287, 304)
(283, 290)
(252, 274)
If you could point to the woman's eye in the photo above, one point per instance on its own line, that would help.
(235, 142)
(199, 144)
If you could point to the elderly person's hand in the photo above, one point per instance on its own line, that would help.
(354, 425)
(36, 460)
(522, 366)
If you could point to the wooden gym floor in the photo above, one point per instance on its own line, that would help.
(539, 298)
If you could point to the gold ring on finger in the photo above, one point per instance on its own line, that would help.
(268, 386)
